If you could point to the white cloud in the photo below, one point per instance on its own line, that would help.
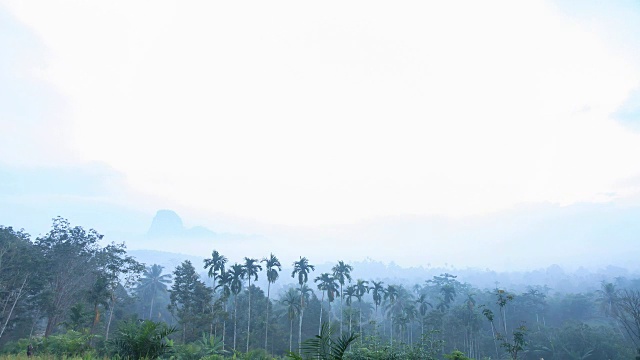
(332, 112)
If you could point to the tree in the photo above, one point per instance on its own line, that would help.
(607, 297)
(378, 293)
(190, 299)
(349, 294)
(361, 288)
(391, 294)
(69, 255)
(342, 273)
(20, 283)
(251, 268)
(98, 294)
(116, 266)
(236, 276)
(215, 265)
(628, 314)
(225, 284)
(292, 305)
(423, 307)
(216, 271)
(326, 284)
(273, 267)
(301, 268)
(152, 283)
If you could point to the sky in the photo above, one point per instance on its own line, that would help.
(307, 114)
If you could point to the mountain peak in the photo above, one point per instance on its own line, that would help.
(166, 223)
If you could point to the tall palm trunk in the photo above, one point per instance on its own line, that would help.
(249, 317)
(290, 334)
(266, 328)
(153, 297)
(360, 317)
(320, 324)
(301, 315)
(300, 332)
(235, 319)
(341, 310)
(224, 323)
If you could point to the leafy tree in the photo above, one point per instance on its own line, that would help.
(628, 314)
(20, 283)
(69, 255)
(98, 294)
(115, 266)
(190, 299)
(342, 273)
(272, 267)
(301, 268)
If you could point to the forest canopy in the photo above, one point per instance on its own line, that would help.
(69, 293)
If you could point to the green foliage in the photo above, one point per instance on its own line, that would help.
(325, 346)
(70, 344)
(146, 339)
(456, 355)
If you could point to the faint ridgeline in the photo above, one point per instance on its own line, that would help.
(168, 225)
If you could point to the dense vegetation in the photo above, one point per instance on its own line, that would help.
(64, 294)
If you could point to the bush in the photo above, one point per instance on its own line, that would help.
(146, 339)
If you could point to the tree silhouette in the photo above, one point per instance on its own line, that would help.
(342, 273)
(273, 267)
(301, 268)
(251, 268)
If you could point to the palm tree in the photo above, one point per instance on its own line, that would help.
(607, 297)
(292, 305)
(153, 282)
(423, 307)
(272, 266)
(215, 265)
(378, 292)
(411, 313)
(349, 294)
(237, 274)
(391, 294)
(327, 284)
(301, 268)
(361, 287)
(225, 284)
(251, 268)
(342, 273)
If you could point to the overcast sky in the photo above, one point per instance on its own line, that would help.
(307, 113)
